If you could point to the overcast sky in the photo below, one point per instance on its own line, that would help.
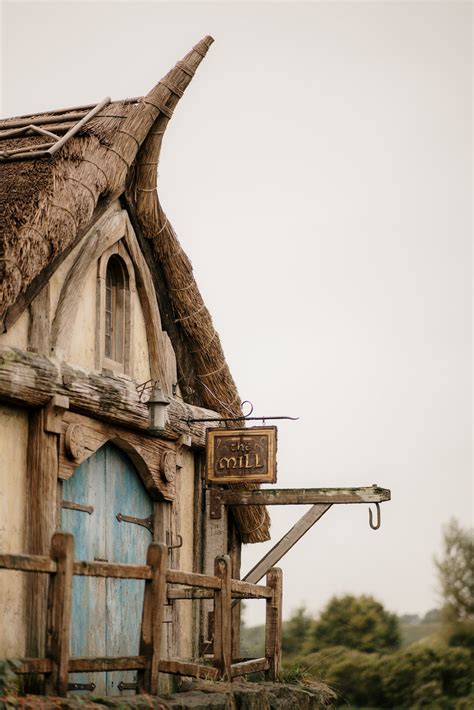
(318, 174)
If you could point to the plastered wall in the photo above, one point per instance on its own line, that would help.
(13, 451)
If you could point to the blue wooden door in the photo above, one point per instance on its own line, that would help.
(106, 613)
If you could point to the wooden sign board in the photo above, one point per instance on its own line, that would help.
(241, 455)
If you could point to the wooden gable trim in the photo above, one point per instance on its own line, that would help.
(97, 240)
(186, 371)
(104, 236)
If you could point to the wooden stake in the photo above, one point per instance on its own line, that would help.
(273, 625)
(222, 618)
(152, 618)
(59, 613)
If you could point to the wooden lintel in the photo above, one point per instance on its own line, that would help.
(304, 496)
(30, 380)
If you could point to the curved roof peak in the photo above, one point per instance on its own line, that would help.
(161, 101)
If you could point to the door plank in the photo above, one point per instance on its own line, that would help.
(126, 543)
(88, 634)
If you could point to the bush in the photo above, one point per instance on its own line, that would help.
(462, 634)
(295, 632)
(417, 677)
(360, 623)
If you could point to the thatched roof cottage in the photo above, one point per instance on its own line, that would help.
(98, 302)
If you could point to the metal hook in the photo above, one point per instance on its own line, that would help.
(246, 401)
(179, 543)
(371, 519)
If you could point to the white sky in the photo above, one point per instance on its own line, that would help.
(318, 174)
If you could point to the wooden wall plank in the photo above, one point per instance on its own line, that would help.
(41, 511)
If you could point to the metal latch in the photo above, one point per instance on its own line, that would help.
(144, 522)
(77, 506)
(81, 686)
(215, 504)
(127, 686)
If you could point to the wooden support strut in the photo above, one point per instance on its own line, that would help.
(286, 543)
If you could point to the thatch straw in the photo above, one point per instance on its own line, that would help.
(48, 206)
(214, 381)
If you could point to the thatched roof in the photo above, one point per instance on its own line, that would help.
(49, 203)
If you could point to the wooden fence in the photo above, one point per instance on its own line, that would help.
(61, 567)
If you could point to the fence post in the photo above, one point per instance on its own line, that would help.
(223, 617)
(58, 626)
(154, 599)
(273, 625)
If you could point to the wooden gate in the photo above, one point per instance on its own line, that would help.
(109, 512)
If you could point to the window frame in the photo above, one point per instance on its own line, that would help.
(127, 289)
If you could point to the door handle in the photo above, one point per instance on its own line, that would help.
(100, 559)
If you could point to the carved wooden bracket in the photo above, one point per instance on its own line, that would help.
(54, 411)
(74, 442)
(185, 440)
(168, 466)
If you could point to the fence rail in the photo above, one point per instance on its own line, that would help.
(62, 567)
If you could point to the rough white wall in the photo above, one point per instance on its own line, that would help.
(17, 336)
(13, 451)
(139, 345)
(82, 341)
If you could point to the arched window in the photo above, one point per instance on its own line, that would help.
(116, 286)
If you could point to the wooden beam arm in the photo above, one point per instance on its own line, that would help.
(301, 496)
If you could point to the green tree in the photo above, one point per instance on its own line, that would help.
(359, 623)
(456, 572)
(295, 632)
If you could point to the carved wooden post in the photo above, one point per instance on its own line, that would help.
(273, 623)
(223, 617)
(152, 618)
(41, 513)
(59, 613)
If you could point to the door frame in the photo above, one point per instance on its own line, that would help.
(82, 436)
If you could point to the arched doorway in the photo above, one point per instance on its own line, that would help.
(106, 613)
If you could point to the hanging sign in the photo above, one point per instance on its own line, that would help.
(241, 455)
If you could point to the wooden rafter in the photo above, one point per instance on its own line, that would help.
(45, 149)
